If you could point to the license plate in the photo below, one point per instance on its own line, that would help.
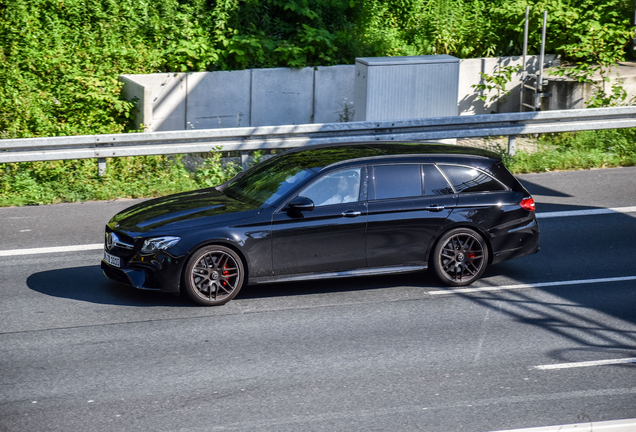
(112, 260)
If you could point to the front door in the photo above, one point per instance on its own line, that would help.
(331, 237)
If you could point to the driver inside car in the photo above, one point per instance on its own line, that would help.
(348, 188)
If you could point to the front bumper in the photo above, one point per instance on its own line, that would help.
(159, 272)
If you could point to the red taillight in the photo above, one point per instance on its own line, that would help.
(527, 203)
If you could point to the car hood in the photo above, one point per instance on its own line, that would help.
(184, 210)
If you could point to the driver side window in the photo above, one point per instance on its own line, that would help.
(335, 188)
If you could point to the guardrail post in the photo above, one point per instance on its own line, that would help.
(244, 159)
(101, 166)
(512, 145)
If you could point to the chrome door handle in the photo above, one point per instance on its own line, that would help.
(435, 208)
(351, 213)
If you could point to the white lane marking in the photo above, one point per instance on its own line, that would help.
(627, 425)
(535, 285)
(47, 250)
(585, 364)
(588, 212)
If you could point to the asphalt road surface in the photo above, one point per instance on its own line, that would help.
(544, 340)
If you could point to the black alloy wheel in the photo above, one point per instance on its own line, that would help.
(460, 257)
(214, 275)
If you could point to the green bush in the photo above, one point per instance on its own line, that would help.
(34, 183)
(59, 61)
(31, 183)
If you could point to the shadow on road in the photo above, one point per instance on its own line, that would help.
(591, 316)
(536, 189)
(88, 284)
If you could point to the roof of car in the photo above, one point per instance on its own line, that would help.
(329, 154)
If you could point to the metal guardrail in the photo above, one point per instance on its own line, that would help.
(274, 137)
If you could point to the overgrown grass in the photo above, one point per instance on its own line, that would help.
(578, 150)
(34, 183)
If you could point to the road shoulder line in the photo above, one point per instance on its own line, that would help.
(55, 249)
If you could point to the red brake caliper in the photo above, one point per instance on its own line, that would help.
(225, 273)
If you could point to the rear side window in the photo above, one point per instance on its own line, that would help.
(466, 179)
(397, 181)
(434, 181)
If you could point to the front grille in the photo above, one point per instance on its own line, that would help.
(125, 239)
(118, 243)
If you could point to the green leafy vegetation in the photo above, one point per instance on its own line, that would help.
(600, 35)
(34, 183)
(60, 60)
(497, 81)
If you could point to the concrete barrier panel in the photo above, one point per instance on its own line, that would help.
(164, 100)
(333, 91)
(168, 101)
(218, 99)
(135, 91)
(282, 96)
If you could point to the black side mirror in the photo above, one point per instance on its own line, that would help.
(300, 204)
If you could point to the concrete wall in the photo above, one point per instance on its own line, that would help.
(282, 96)
(134, 91)
(259, 97)
(469, 75)
(333, 93)
(568, 93)
(218, 100)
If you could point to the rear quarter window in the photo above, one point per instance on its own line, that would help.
(467, 179)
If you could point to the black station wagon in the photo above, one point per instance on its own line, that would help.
(326, 212)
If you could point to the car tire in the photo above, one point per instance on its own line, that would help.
(214, 275)
(460, 257)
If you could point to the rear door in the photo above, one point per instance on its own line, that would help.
(407, 205)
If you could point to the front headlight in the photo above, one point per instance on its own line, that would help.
(159, 244)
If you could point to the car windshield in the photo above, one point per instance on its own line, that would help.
(266, 183)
